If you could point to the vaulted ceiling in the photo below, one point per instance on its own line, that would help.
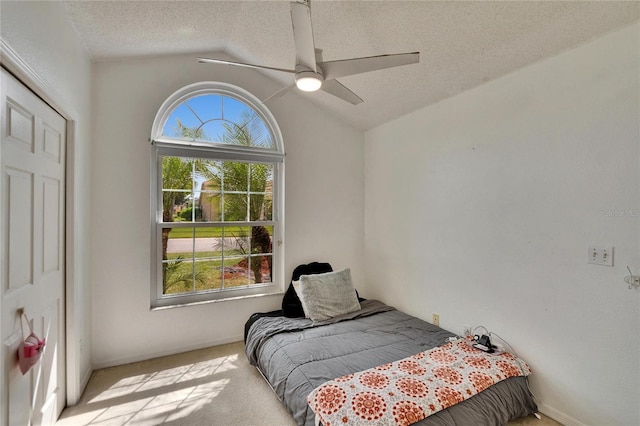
(462, 44)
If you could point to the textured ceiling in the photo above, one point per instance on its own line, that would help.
(461, 44)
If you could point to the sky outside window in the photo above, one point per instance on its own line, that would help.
(213, 111)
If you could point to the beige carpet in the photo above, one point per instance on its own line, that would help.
(213, 386)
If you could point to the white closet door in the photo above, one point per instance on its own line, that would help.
(32, 274)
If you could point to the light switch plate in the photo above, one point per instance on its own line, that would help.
(601, 256)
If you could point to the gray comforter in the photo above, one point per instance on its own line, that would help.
(295, 356)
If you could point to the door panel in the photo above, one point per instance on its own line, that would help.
(32, 194)
(19, 237)
(20, 125)
(51, 233)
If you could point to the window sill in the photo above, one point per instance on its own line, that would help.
(207, 302)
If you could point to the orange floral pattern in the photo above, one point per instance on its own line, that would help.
(448, 374)
(406, 391)
(330, 399)
(345, 378)
(407, 412)
(477, 361)
(411, 367)
(368, 405)
(448, 397)
(443, 357)
(374, 380)
(508, 369)
(480, 380)
(412, 387)
(384, 367)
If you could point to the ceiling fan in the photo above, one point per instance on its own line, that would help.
(311, 73)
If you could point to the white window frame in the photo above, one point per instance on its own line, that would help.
(165, 146)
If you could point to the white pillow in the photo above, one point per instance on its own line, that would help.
(325, 296)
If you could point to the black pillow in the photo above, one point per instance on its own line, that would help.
(291, 306)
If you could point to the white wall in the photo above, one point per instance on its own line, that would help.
(481, 208)
(40, 34)
(324, 206)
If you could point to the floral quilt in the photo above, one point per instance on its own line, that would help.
(406, 391)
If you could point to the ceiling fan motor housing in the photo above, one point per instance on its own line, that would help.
(309, 81)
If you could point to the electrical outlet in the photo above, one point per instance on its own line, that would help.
(436, 319)
(466, 330)
(632, 280)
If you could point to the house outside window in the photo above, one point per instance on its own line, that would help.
(217, 173)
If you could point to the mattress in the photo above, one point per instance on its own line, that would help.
(296, 355)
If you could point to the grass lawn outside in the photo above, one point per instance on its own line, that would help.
(210, 273)
(207, 232)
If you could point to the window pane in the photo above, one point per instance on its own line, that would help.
(208, 181)
(268, 206)
(207, 107)
(209, 170)
(177, 173)
(261, 175)
(178, 123)
(236, 272)
(236, 111)
(187, 211)
(260, 207)
(179, 243)
(261, 239)
(234, 179)
(235, 176)
(260, 135)
(177, 188)
(208, 243)
(208, 274)
(177, 276)
(236, 241)
(175, 205)
(210, 204)
(193, 212)
(261, 269)
(258, 184)
(261, 249)
(235, 207)
(213, 131)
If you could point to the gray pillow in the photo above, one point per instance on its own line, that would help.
(325, 296)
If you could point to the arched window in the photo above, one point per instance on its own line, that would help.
(216, 174)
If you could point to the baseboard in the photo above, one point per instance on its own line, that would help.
(558, 415)
(85, 379)
(144, 357)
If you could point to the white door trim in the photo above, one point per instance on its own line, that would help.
(76, 379)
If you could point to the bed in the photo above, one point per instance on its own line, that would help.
(297, 355)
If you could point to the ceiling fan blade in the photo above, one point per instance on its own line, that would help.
(279, 93)
(336, 88)
(303, 36)
(345, 67)
(241, 64)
